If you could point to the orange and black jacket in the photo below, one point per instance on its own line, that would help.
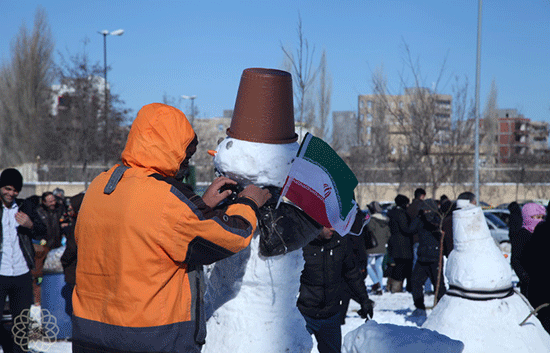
(142, 239)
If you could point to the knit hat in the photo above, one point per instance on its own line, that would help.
(402, 200)
(11, 177)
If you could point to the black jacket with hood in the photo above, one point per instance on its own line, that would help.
(329, 267)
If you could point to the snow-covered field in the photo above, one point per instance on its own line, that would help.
(389, 308)
(395, 309)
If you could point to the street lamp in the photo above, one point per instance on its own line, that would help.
(192, 106)
(105, 33)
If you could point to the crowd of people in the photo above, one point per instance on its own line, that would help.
(31, 228)
(413, 237)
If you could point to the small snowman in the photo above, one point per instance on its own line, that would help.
(481, 300)
(251, 296)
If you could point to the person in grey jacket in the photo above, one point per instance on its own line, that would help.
(379, 227)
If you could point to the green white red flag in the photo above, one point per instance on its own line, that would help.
(322, 185)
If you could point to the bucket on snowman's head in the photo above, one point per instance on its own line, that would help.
(264, 109)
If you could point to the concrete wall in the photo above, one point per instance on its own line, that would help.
(493, 194)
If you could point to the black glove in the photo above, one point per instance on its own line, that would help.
(367, 310)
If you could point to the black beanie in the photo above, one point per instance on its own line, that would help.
(11, 177)
(402, 200)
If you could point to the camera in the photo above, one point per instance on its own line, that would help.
(235, 190)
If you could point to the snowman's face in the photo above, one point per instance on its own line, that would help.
(262, 164)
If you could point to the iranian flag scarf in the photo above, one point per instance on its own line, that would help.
(322, 185)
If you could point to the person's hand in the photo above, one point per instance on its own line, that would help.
(256, 194)
(212, 196)
(367, 310)
(23, 220)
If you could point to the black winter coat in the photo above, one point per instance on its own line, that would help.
(402, 230)
(519, 241)
(428, 243)
(51, 219)
(329, 268)
(25, 234)
(536, 262)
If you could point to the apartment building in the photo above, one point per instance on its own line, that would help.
(397, 116)
(519, 137)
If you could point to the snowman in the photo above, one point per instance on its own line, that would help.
(481, 302)
(250, 297)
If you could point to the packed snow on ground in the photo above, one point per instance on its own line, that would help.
(393, 326)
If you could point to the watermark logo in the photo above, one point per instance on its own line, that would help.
(39, 330)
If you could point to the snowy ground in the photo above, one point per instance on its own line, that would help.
(389, 308)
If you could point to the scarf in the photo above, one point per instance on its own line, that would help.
(530, 210)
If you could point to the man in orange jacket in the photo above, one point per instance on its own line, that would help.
(143, 237)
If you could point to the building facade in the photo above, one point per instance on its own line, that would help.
(399, 121)
(520, 138)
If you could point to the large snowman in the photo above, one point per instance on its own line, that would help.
(250, 298)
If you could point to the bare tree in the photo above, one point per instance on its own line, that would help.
(490, 127)
(25, 96)
(324, 96)
(304, 77)
(79, 123)
(380, 147)
(427, 143)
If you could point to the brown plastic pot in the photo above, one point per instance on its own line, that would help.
(264, 109)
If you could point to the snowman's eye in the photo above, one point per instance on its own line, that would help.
(229, 144)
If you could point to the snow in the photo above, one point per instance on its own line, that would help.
(393, 319)
(476, 262)
(255, 298)
(254, 162)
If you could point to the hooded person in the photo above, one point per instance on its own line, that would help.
(532, 214)
(535, 261)
(142, 238)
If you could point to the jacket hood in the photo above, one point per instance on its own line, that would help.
(158, 139)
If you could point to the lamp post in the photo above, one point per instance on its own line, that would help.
(105, 33)
(478, 69)
(192, 106)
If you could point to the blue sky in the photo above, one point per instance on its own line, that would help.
(201, 47)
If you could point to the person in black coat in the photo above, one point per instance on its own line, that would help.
(428, 254)
(329, 267)
(532, 215)
(400, 244)
(536, 262)
(516, 220)
(68, 259)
